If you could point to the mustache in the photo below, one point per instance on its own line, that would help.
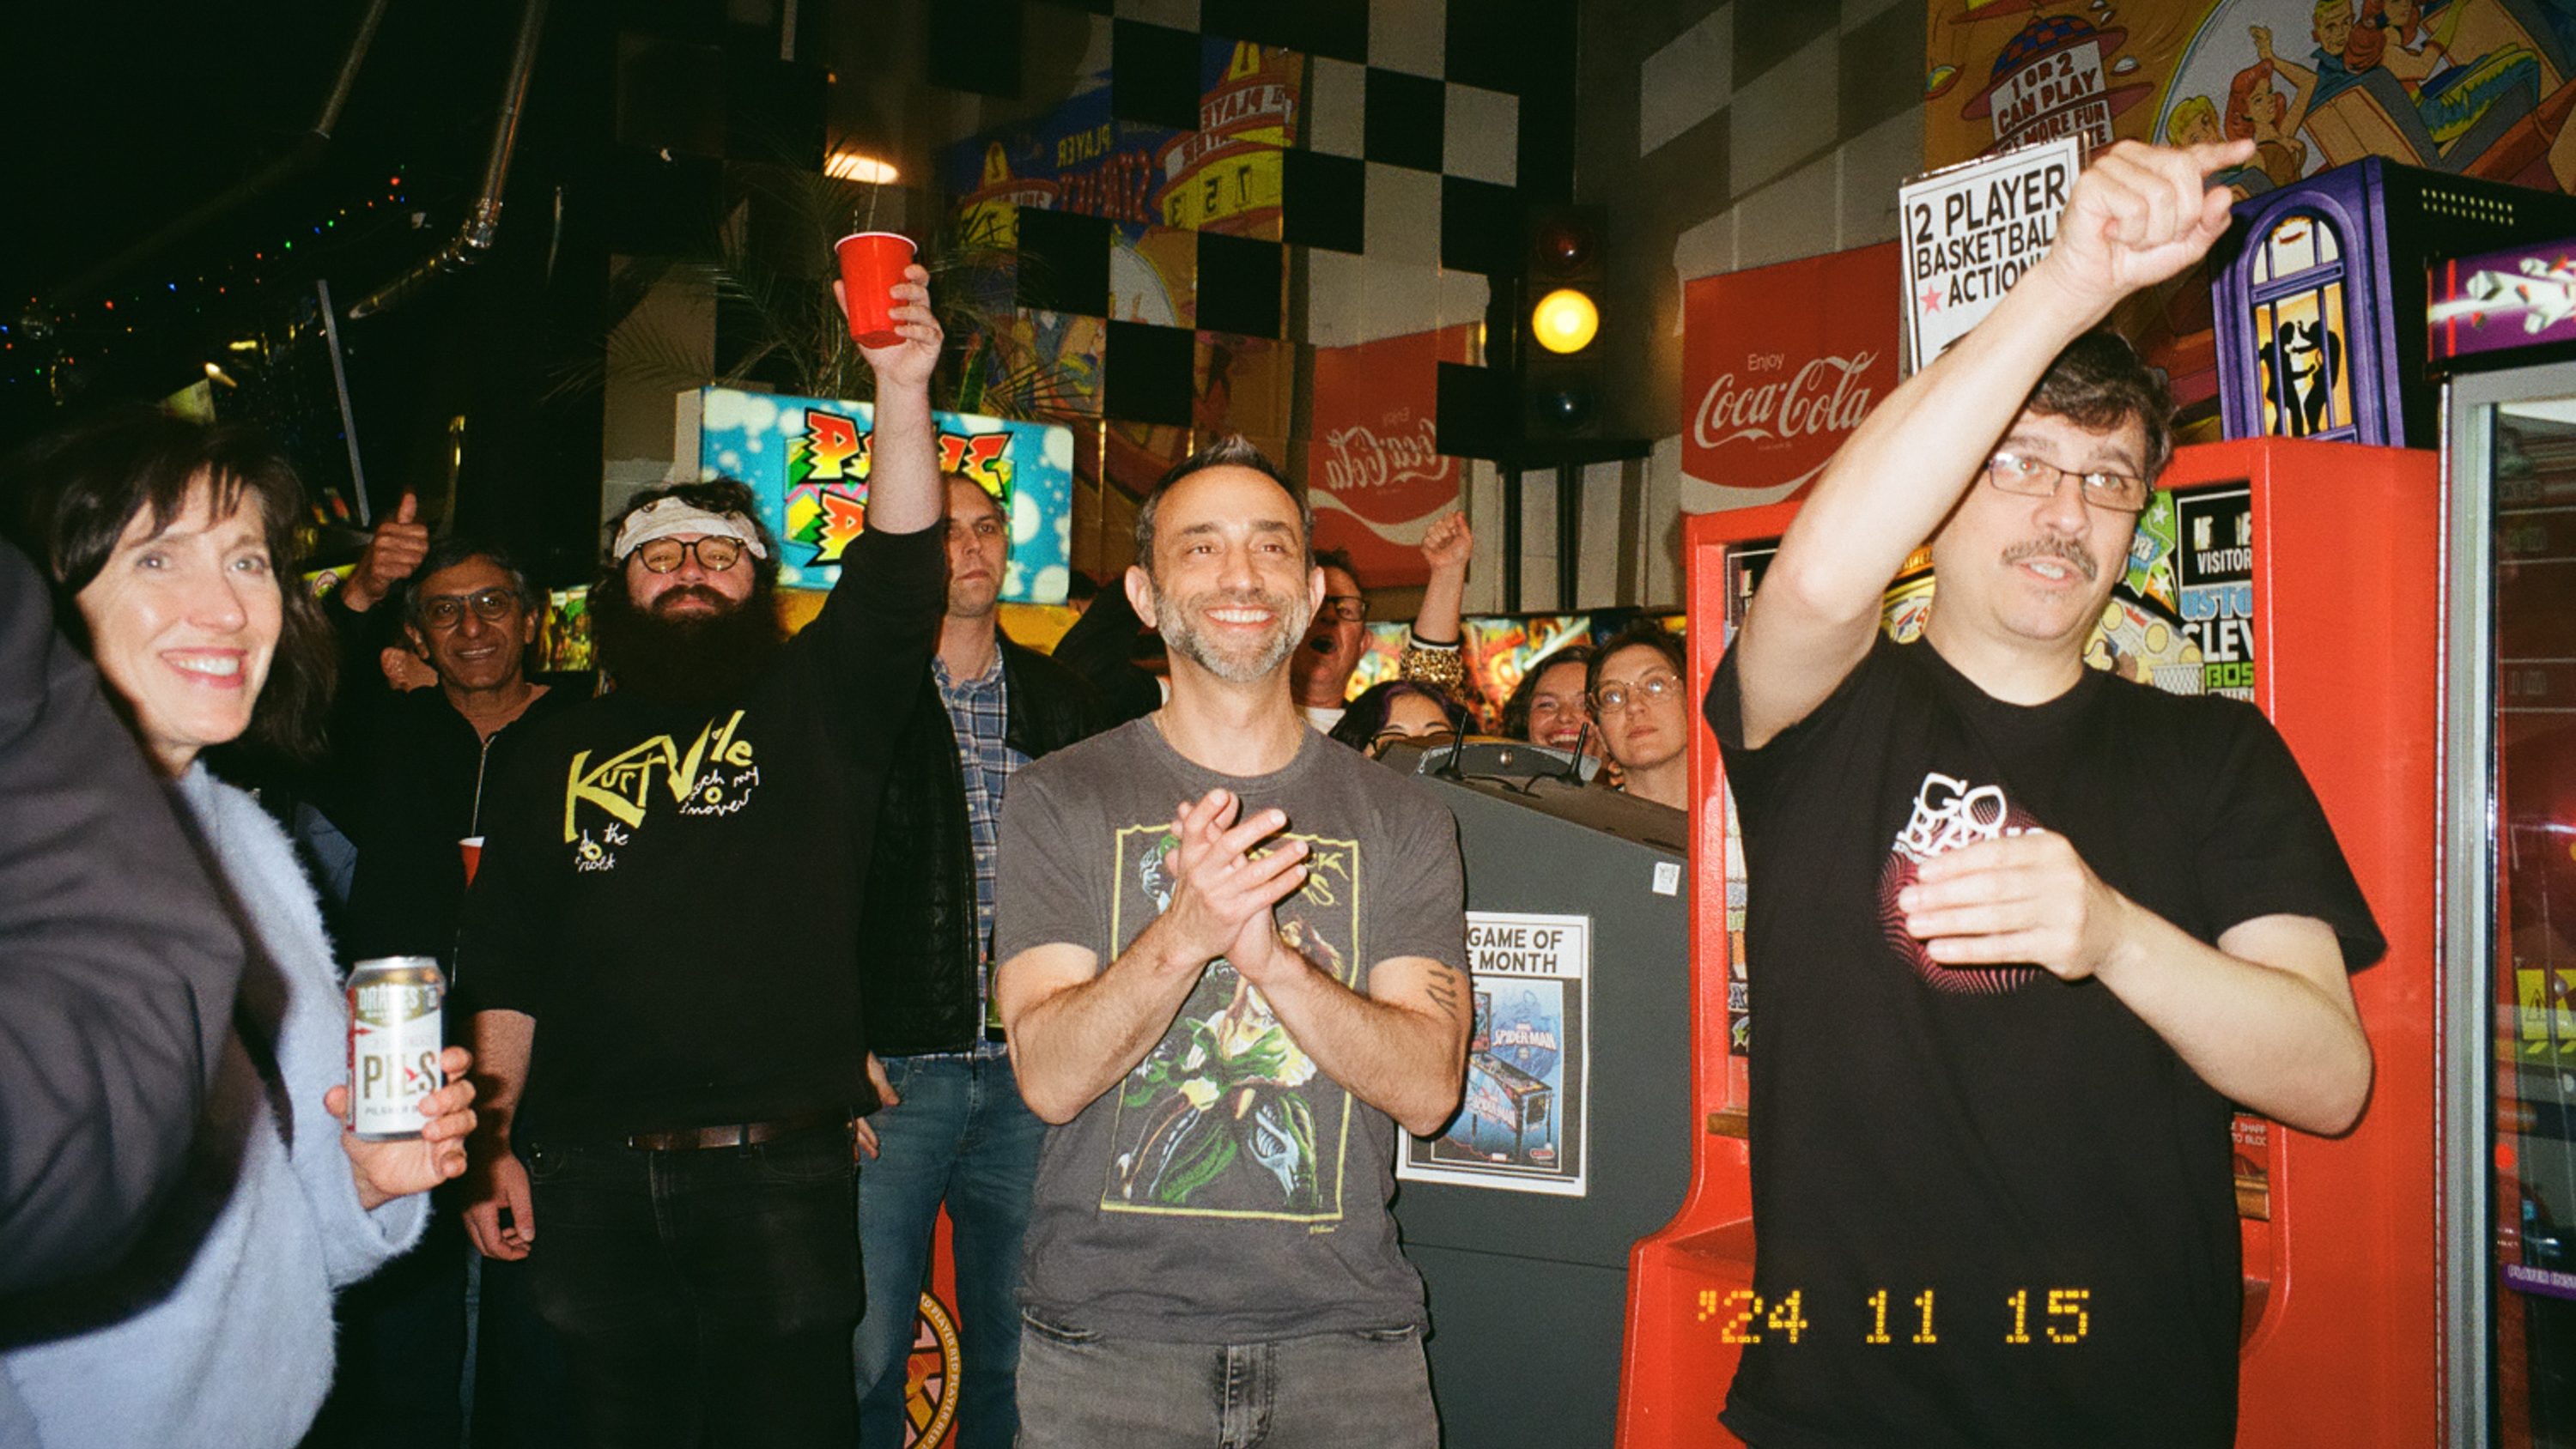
(2064, 550)
(663, 601)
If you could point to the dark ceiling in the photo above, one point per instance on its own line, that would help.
(124, 125)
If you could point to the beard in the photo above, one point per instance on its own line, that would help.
(690, 658)
(1182, 637)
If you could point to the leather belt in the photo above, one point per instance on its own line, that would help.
(733, 1134)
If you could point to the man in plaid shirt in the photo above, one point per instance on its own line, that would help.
(953, 1127)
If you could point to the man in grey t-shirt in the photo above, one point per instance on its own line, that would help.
(1232, 963)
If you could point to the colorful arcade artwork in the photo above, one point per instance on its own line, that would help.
(2512, 299)
(1529, 1065)
(2214, 578)
(806, 459)
(933, 1380)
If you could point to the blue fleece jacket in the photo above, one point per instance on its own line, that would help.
(217, 1331)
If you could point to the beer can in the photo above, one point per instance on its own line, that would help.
(397, 1028)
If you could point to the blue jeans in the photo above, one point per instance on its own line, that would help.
(1079, 1390)
(704, 1296)
(961, 1134)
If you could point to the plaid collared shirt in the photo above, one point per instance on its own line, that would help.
(979, 716)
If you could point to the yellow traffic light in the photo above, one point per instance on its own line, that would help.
(1565, 320)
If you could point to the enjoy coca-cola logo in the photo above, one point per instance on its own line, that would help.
(1828, 396)
(1362, 457)
(1782, 363)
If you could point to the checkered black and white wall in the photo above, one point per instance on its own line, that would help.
(1720, 136)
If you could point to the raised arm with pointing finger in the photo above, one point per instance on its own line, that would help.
(2024, 930)
(2136, 216)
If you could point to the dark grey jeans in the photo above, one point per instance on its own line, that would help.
(1079, 1390)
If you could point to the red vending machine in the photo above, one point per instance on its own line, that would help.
(2305, 577)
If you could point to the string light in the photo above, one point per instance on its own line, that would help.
(220, 278)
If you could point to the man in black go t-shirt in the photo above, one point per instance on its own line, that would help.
(2022, 930)
(661, 932)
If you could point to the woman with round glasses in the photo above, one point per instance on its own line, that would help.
(171, 544)
(1636, 692)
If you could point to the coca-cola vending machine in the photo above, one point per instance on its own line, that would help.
(2303, 577)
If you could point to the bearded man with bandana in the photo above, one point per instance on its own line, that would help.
(661, 932)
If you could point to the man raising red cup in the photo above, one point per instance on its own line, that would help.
(872, 262)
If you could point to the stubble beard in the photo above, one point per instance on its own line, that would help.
(1180, 635)
(983, 604)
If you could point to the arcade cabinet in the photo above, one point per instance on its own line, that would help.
(2319, 295)
(1521, 1215)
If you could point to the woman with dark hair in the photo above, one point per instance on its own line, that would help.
(1400, 711)
(171, 546)
(1549, 706)
(1636, 690)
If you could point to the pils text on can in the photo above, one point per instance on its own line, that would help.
(397, 1028)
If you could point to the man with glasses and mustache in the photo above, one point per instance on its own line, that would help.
(1233, 962)
(664, 932)
(2022, 931)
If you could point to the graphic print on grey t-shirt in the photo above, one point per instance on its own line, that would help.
(1949, 814)
(1227, 1116)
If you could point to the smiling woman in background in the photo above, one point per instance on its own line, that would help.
(170, 545)
(1550, 706)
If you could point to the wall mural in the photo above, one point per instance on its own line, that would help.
(2473, 87)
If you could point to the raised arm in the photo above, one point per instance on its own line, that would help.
(1434, 650)
(882, 618)
(393, 553)
(2137, 215)
(904, 491)
(2303, 83)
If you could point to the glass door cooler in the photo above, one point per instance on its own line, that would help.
(2509, 997)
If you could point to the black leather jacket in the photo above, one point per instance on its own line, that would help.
(919, 955)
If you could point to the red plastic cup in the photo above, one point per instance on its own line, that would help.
(472, 849)
(871, 263)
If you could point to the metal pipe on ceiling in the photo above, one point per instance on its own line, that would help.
(482, 224)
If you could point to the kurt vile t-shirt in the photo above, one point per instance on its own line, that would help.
(1992, 1207)
(671, 889)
